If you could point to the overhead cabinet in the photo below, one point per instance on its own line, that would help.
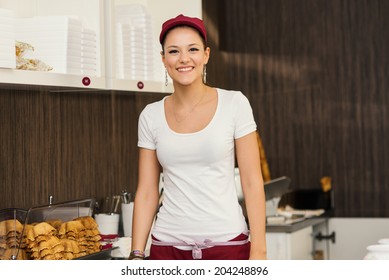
(99, 44)
(58, 43)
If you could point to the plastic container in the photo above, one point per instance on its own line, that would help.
(108, 223)
(127, 212)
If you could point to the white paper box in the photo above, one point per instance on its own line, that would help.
(89, 55)
(6, 21)
(11, 64)
(49, 42)
(30, 27)
(89, 36)
(88, 49)
(88, 72)
(7, 30)
(88, 44)
(86, 60)
(7, 42)
(47, 35)
(62, 64)
(48, 21)
(75, 60)
(6, 13)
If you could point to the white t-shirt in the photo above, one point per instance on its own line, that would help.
(200, 200)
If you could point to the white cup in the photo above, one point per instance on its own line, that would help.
(108, 223)
(127, 212)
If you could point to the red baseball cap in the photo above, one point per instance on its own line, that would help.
(194, 22)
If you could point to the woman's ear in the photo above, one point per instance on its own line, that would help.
(207, 53)
(163, 57)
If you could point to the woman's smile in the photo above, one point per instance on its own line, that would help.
(185, 69)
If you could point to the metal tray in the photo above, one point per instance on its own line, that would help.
(102, 255)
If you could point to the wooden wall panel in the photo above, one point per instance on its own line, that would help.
(71, 145)
(316, 75)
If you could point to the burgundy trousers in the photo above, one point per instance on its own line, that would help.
(228, 252)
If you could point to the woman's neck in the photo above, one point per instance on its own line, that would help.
(184, 94)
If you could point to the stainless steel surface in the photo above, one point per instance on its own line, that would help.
(102, 255)
(116, 200)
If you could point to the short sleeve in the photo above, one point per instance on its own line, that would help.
(244, 119)
(145, 135)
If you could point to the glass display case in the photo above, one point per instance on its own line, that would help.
(11, 228)
(63, 211)
(61, 231)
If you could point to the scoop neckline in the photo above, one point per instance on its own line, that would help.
(195, 132)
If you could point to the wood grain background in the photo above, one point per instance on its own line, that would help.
(317, 76)
(71, 145)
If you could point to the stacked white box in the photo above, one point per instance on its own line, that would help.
(134, 43)
(7, 39)
(57, 41)
(88, 52)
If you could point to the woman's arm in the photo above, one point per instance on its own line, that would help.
(146, 198)
(248, 157)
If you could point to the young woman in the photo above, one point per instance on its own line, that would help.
(194, 135)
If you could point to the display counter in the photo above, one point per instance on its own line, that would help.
(296, 226)
(296, 240)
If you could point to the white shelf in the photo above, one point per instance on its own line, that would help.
(13, 76)
(23, 77)
(141, 86)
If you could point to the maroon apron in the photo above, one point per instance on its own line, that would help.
(234, 249)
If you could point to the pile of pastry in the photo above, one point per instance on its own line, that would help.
(49, 240)
(57, 240)
(24, 63)
(10, 238)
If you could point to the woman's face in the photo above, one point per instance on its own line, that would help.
(184, 55)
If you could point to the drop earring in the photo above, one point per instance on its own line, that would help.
(166, 79)
(205, 74)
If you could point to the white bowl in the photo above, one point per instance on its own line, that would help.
(383, 241)
(377, 252)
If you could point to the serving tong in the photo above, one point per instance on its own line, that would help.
(111, 204)
(126, 197)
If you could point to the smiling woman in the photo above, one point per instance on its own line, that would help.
(195, 134)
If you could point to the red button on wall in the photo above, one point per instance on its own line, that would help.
(140, 85)
(86, 81)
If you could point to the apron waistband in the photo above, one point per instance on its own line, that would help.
(198, 246)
